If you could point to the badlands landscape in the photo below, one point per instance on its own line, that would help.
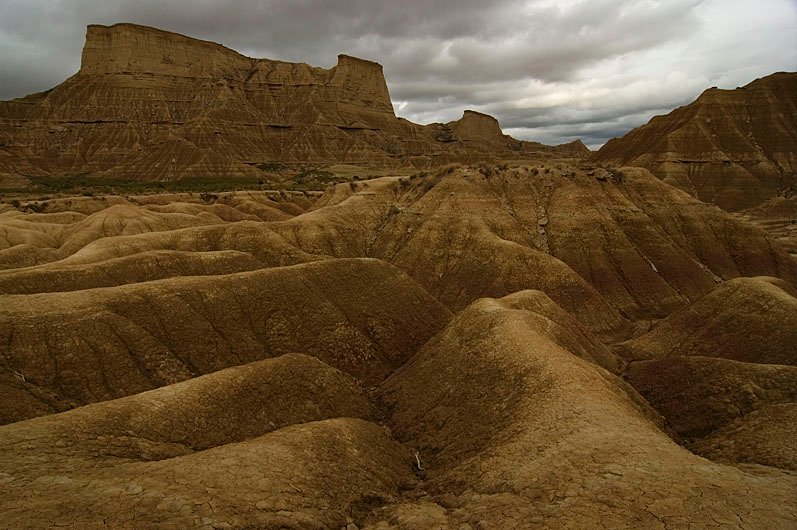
(332, 317)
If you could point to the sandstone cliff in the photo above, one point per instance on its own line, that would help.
(151, 104)
(735, 148)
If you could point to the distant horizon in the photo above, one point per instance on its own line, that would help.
(550, 72)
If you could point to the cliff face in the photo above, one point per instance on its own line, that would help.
(151, 104)
(735, 148)
(479, 128)
(132, 49)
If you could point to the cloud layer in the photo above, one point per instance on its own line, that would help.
(549, 70)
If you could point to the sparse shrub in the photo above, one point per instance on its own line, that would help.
(447, 170)
(353, 185)
(617, 174)
(485, 170)
(208, 198)
(271, 167)
(15, 203)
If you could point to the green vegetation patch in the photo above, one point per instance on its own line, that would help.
(85, 185)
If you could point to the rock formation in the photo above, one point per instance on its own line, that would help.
(733, 148)
(154, 105)
(515, 345)
(527, 344)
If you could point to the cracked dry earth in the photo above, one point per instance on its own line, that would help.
(555, 346)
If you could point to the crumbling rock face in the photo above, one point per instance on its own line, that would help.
(154, 105)
(734, 148)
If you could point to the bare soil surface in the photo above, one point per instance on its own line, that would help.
(539, 345)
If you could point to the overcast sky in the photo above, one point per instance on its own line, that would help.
(549, 70)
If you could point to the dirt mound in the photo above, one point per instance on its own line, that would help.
(220, 408)
(766, 436)
(699, 395)
(141, 267)
(513, 430)
(721, 372)
(778, 216)
(724, 410)
(261, 360)
(61, 227)
(312, 475)
(644, 246)
(733, 148)
(63, 349)
(746, 319)
(605, 246)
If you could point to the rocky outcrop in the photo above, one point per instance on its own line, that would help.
(154, 105)
(475, 127)
(132, 49)
(735, 148)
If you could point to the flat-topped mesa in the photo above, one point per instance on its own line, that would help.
(362, 84)
(130, 48)
(477, 127)
(149, 104)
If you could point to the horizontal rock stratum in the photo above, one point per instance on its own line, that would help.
(154, 105)
(734, 148)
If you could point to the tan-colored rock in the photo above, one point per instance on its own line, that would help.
(149, 104)
(732, 148)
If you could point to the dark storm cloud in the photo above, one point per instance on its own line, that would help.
(549, 70)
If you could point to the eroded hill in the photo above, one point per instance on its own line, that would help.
(732, 148)
(534, 346)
